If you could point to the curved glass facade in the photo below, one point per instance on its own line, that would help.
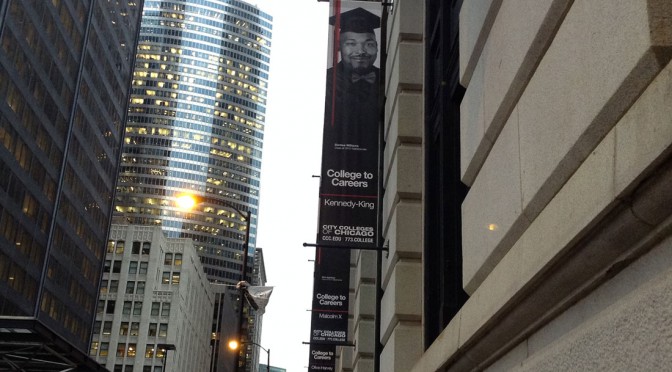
(195, 125)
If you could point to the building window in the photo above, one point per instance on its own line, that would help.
(136, 248)
(165, 310)
(96, 327)
(141, 288)
(178, 259)
(133, 267)
(110, 246)
(101, 307)
(121, 350)
(107, 328)
(137, 308)
(116, 267)
(123, 329)
(130, 287)
(132, 349)
(176, 278)
(165, 277)
(109, 308)
(107, 267)
(443, 294)
(168, 259)
(163, 330)
(149, 353)
(104, 348)
(155, 308)
(94, 348)
(127, 308)
(151, 330)
(135, 328)
(146, 247)
(114, 286)
(103, 286)
(120, 247)
(143, 267)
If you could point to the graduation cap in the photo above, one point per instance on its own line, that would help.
(357, 20)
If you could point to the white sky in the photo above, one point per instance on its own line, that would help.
(291, 155)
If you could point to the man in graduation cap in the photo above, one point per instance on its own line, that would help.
(348, 182)
(351, 114)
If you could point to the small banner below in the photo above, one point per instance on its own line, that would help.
(322, 358)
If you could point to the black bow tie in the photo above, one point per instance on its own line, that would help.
(369, 78)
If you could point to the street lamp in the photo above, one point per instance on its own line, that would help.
(234, 345)
(164, 348)
(187, 202)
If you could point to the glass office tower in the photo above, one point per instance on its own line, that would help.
(65, 73)
(195, 125)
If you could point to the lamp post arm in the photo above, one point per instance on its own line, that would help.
(268, 353)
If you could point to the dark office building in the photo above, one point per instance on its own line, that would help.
(65, 72)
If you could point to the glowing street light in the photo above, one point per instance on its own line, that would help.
(185, 202)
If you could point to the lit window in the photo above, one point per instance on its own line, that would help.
(104, 347)
(132, 349)
(120, 247)
(149, 351)
(94, 348)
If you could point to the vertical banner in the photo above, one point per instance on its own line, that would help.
(322, 358)
(349, 173)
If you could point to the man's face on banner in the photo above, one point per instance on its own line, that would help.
(358, 50)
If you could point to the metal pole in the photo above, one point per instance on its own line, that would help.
(378, 346)
(243, 277)
(268, 360)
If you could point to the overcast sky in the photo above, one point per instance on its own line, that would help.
(291, 156)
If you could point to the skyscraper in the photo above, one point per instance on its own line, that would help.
(195, 125)
(65, 72)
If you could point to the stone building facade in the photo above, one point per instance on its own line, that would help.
(543, 243)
